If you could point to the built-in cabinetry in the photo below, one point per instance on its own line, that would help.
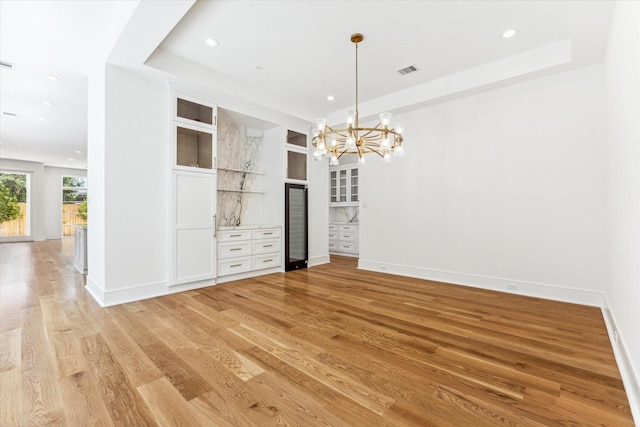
(343, 209)
(343, 238)
(343, 185)
(193, 201)
(247, 249)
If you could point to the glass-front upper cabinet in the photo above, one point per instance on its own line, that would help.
(333, 186)
(194, 125)
(194, 148)
(343, 185)
(296, 146)
(195, 112)
(354, 185)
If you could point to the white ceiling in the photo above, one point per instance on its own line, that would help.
(301, 47)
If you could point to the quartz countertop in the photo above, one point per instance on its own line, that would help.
(248, 227)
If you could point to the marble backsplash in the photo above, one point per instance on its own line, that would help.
(239, 154)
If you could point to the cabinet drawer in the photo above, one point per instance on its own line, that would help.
(265, 246)
(333, 227)
(348, 228)
(333, 235)
(233, 235)
(266, 233)
(347, 237)
(347, 247)
(266, 261)
(234, 249)
(333, 245)
(234, 265)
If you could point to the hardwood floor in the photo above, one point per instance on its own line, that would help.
(327, 346)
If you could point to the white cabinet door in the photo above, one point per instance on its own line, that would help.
(343, 185)
(194, 242)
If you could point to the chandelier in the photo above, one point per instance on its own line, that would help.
(381, 139)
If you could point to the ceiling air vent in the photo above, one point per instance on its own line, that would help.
(407, 70)
(4, 65)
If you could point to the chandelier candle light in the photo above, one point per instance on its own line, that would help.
(381, 139)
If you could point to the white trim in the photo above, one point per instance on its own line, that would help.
(249, 274)
(95, 290)
(140, 292)
(538, 290)
(630, 377)
(319, 260)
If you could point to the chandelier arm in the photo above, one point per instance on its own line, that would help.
(369, 130)
(366, 149)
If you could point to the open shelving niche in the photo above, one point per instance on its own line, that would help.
(250, 181)
(247, 175)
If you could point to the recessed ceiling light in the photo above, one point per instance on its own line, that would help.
(42, 119)
(509, 33)
(330, 98)
(53, 78)
(47, 103)
(211, 42)
(78, 152)
(71, 160)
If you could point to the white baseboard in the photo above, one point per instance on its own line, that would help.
(139, 292)
(249, 274)
(53, 237)
(628, 372)
(95, 290)
(538, 290)
(352, 255)
(318, 260)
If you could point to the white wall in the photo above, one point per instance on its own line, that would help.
(137, 193)
(96, 179)
(622, 287)
(318, 195)
(497, 189)
(53, 198)
(132, 232)
(36, 196)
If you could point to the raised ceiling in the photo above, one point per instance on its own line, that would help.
(285, 56)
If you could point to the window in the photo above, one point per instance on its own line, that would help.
(74, 203)
(15, 213)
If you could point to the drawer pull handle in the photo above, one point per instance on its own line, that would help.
(266, 246)
(235, 249)
(267, 234)
(235, 265)
(235, 235)
(267, 260)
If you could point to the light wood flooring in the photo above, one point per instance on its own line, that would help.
(327, 346)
